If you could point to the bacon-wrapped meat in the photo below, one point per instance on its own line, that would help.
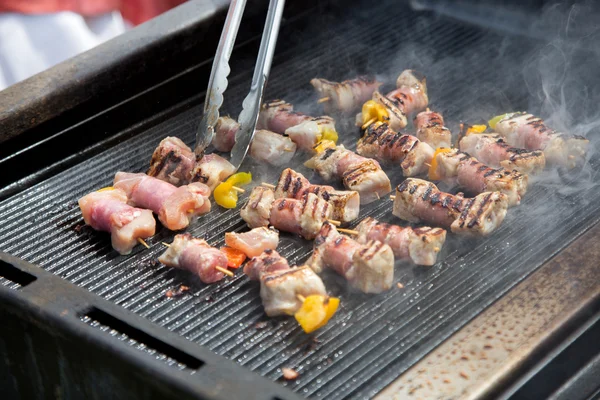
(108, 211)
(175, 206)
(225, 130)
(277, 116)
(196, 256)
(272, 148)
(421, 201)
(419, 245)
(368, 267)
(172, 161)
(268, 261)
(279, 290)
(211, 170)
(528, 131)
(358, 173)
(253, 242)
(303, 217)
(310, 132)
(411, 92)
(257, 210)
(474, 176)
(492, 149)
(345, 96)
(431, 130)
(345, 204)
(385, 145)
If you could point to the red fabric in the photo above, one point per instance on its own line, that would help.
(134, 11)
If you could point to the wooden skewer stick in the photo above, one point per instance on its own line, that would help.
(427, 109)
(238, 189)
(369, 122)
(166, 244)
(323, 99)
(429, 165)
(301, 298)
(377, 195)
(268, 185)
(334, 222)
(436, 249)
(225, 271)
(393, 197)
(143, 243)
(348, 231)
(288, 150)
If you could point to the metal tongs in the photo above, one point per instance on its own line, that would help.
(218, 81)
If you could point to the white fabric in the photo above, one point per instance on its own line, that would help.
(32, 43)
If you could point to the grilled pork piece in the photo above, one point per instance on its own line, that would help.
(385, 145)
(272, 148)
(492, 149)
(431, 130)
(225, 130)
(396, 117)
(420, 245)
(345, 96)
(279, 290)
(345, 204)
(368, 267)
(477, 177)
(277, 116)
(268, 261)
(421, 201)
(257, 210)
(175, 206)
(253, 242)
(310, 132)
(528, 131)
(358, 173)
(196, 256)
(303, 217)
(411, 92)
(211, 170)
(108, 211)
(172, 161)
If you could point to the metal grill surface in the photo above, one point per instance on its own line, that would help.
(372, 339)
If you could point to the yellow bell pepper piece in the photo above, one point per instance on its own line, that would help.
(476, 129)
(324, 145)
(105, 189)
(492, 122)
(329, 134)
(225, 195)
(433, 168)
(316, 311)
(373, 110)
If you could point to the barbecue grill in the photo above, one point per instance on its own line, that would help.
(493, 318)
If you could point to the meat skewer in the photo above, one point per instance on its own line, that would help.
(345, 96)
(385, 145)
(419, 245)
(272, 148)
(525, 130)
(358, 173)
(257, 210)
(172, 161)
(417, 200)
(175, 206)
(211, 170)
(431, 130)
(476, 177)
(368, 267)
(411, 93)
(196, 256)
(225, 130)
(268, 261)
(253, 242)
(278, 115)
(108, 211)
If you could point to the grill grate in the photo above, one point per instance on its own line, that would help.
(372, 339)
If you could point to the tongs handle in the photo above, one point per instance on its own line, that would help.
(251, 105)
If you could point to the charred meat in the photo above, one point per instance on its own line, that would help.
(267, 262)
(431, 130)
(211, 170)
(172, 161)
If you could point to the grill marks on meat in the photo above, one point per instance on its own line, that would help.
(211, 170)
(108, 211)
(272, 148)
(530, 132)
(267, 262)
(257, 210)
(419, 245)
(411, 92)
(477, 177)
(175, 206)
(225, 130)
(278, 115)
(345, 96)
(195, 255)
(358, 173)
(385, 145)
(421, 201)
(172, 161)
(253, 242)
(431, 130)
(368, 267)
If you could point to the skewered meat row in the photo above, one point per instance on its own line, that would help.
(269, 261)
(225, 130)
(301, 216)
(525, 130)
(477, 177)
(345, 96)
(272, 148)
(421, 201)
(368, 267)
(172, 161)
(358, 173)
(345, 204)
(196, 256)
(492, 149)
(175, 206)
(431, 130)
(253, 242)
(211, 170)
(108, 211)
(386, 145)
(419, 245)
